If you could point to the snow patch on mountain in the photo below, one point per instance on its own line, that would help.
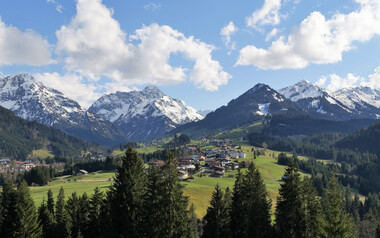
(263, 109)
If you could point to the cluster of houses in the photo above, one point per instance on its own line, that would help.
(7, 165)
(216, 161)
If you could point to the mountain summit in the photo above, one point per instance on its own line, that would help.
(253, 105)
(144, 114)
(33, 101)
(345, 104)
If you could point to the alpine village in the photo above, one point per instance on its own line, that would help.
(94, 144)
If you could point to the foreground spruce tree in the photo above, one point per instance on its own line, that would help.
(50, 201)
(96, 222)
(258, 205)
(237, 227)
(311, 207)
(62, 220)
(18, 217)
(46, 219)
(126, 196)
(289, 210)
(174, 203)
(216, 221)
(153, 208)
(8, 218)
(336, 222)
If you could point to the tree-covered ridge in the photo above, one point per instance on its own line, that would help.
(19, 137)
(364, 140)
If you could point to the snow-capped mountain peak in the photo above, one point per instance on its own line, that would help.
(33, 101)
(301, 90)
(357, 102)
(144, 114)
(359, 95)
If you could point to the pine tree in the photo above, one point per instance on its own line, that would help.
(290, 220)
(258, 205)
(126, 196)
(27, 217)
(8, 218)
(237, 227)
(153, 203)
(216, 218)
(336, 222)
(174, 202)
(50, 201)
(74, 210)
(311, 208)
(46, 219)
(95, 227)
(61, 217)
(228, 203)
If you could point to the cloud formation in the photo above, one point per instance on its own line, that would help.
(154, 7)
(70, 85)
(335, 82)
(226, 33)
(317, 40)
(17, 47)
(58, 6)
(94, 45)
(267, 15)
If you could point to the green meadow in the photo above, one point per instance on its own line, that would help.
(199, 189)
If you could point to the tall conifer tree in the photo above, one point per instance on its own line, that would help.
(174, 203)
(311, 207)
(96, 222)
(126, 197)
(336, 222)
(26, 215)
(237, 227)
(258, 205)
(61, 217)
(46, 219)
(216, 219)
(290, 219)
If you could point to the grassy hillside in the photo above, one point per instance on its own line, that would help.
(199, 190)
(80, 184)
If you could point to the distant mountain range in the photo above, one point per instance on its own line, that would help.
(144, 115)
(301, 109)
(33, 101)
(114, 118)
(147, 114)
(345, 104)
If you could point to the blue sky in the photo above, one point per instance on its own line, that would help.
(205, 52)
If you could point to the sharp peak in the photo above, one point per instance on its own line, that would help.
(258, 87)
(151, 88)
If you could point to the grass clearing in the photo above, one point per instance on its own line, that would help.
(42, 154)
(83, 184)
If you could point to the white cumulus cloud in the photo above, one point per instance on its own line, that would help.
(71, 85)
(267, 15)
(17, 47)
(94, 45)
(335, 82)
(226, 33)
(317, 40)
